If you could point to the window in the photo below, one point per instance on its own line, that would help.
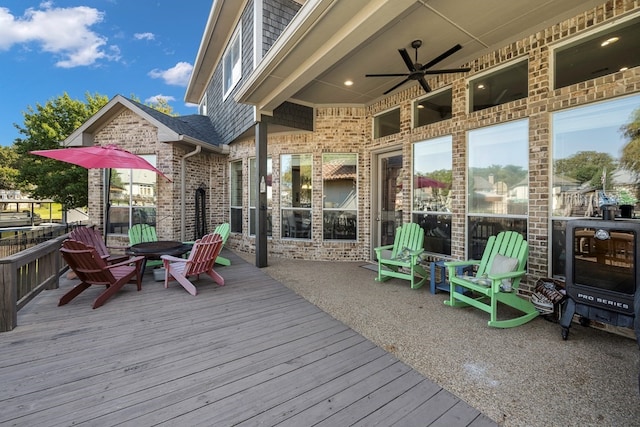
(202, 109)
(591, 154)
(386, 123)
(252, 195)
(340, 196)
(132, 197)
(498, 182)
(232, 63)
(434, 108)
(499, 86)
(236, 196)
(295, 195)
(432, 177)
(605, 52)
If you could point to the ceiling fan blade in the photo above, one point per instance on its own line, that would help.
(387, 75)
(407, 59)
(424, 84)
(396, 86)
(441, 57)
(447, 71)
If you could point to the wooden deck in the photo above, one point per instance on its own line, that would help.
(249, 353)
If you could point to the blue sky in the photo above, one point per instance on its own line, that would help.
(144, 48)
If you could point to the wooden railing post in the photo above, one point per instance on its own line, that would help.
(8, 297)
(25, 275)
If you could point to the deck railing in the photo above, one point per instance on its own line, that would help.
(26, 274)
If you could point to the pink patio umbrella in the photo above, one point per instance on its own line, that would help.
(100, 157)
(426, 182)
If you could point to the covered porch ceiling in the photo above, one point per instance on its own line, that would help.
(332, 41)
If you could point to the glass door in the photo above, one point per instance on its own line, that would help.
(389, 197)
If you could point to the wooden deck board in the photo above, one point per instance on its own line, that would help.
(250, 353)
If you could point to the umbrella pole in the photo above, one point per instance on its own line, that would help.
(107, 204)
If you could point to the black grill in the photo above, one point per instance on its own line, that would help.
(602, 273)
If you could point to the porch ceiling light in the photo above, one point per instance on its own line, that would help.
(348, 83)
(609, 41)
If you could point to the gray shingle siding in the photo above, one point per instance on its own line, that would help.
(292, 115)
(229, 119)
(276, 16)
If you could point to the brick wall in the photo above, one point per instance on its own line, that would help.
(348, 129)
(133, 133)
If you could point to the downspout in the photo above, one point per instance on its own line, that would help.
(183, 189)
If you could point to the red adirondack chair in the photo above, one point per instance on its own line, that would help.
(201, 261)
(92, 269)
(91, 236)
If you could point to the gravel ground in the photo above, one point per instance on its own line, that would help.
(524, 376)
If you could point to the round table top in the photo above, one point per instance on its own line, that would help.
(160, 247)
(157, 246)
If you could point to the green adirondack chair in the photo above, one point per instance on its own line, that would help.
(140, 233)
(224, 230)
(496, 280)
(402, 259)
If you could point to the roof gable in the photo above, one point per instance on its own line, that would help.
(193, 129)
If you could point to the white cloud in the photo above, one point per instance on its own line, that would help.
(156, 98)
(178, 75)
(144, 36)
(64, 32)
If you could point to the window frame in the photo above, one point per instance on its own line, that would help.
(435, 223)
(377, 124)
(481, 224)
(269, 191)
(344, 221)
(235, 218)
(584, 38)
(234, 47)
(300, 214)
(415, 106)
(470, 82)
(557, 217)
(136, 212)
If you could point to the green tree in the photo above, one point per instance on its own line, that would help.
(45, 126)
(8, 171)
(160, 104)
(587, 166)
(630, 158)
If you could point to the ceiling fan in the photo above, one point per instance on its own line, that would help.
(417, 71)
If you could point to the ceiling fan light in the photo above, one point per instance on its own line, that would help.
(609, 41)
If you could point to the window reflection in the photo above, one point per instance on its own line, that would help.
(434, 108)
(500, 86)
(236, 197)
(589, 147)
(606, 52)
(340, 198)
(498, 183)
(592, 153)
(252, 195)
(386, 123)
(432, 177)
(498, 169)
(132, 197)
(295, 195)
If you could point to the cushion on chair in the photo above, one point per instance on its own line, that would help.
(502, 264)
(404, 255)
